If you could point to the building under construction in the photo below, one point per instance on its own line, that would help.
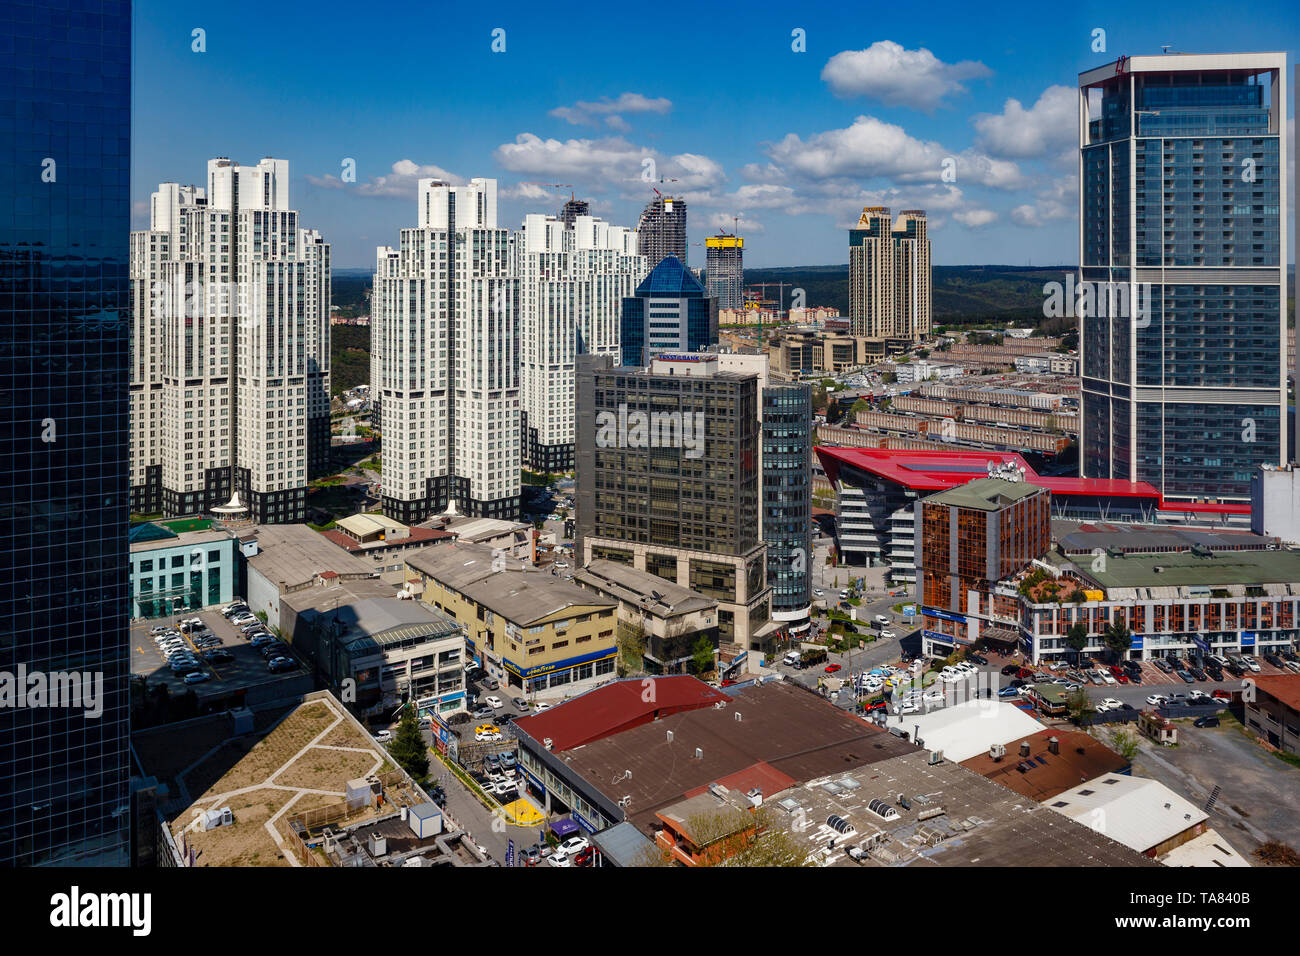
(661, 231)
(724, 270)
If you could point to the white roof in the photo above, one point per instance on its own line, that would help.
(1135, 811)
(963, 730)
(1208, 849)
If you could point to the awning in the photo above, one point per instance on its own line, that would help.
(564, 827)
(999, 635)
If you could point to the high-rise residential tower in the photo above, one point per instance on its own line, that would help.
(890, 283)
(669, 480)
(724, 271)
(65, 223)
(671, 311)
(573, 282)
(445, 359)
(230, 348)
(1182, 245)
(661, 230)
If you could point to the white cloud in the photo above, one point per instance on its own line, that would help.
(975, 217)
(588, 113)
(1046, 128)
(1059, 200)
(872, 147)
(402, 182)
(895, 76)
(612, 160)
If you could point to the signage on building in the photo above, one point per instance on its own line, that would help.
(1247, 638)
(944, 615)
(582, 821)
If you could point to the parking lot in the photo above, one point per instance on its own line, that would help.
(241, 665)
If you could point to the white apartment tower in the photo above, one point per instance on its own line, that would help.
(445, 359)
(572, 283)
(229, 392)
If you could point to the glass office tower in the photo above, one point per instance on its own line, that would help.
(65, 105)
(1182, 185)
(670, 312)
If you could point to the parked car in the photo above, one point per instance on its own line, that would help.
(887, 635)
(573, 845)
(218, 656)
(979, 659)
(1010, 669)
(1155, 700)
(1221, 694)
(197, 677)
(1250, 663)
(1186, 677)
(384, 736)
(1216, 674)
(1024, 673)
(1119, 675)
(1107, 677)
(1209, 720)
(1274, 659)
(520, 702)
(1109, 703)
(278, 665)
(1009, 692)
(1199, 674)
(832, 668)
(880, 618)
(1164, 665)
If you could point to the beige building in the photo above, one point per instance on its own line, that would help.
(537, 633)
(890, 285)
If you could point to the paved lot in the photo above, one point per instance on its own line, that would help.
(1261, 794)
(247, 668)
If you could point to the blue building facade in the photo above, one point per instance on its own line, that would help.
(1184, 366)
(65, 99)
(671, 312)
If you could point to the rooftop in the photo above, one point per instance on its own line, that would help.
(1208, 849)
(1186, 569)
(985, 494)
(521, 595)
(1284, 687)
(292, 555)
(969, 821)
(969, 728)
(148, 536)
(1135, 811)
(642, 588)
(1041, 774)
(371, 614)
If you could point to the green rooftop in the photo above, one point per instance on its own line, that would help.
(1185, 569)
(985, 494)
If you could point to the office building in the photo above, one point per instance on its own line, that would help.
(785, 464)
(661, 230)
(230, 348)
(1182, 171)
(670, 312)
(724, 271)
(445, 359)
(65, 223)
(669, 482)
(970, 537)
(573, 280)
(890, 286)
(537, 633)
(178, 570)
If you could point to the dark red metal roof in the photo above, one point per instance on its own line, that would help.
(618, 706)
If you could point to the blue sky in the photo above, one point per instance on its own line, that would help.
(795, 143)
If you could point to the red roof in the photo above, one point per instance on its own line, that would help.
(1284, 687)
(759, 776)
(618, 706)
(944, 468)
(350, 543)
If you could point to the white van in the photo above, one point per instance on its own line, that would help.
(791, 658)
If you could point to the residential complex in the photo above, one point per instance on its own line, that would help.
(1182, 170)
(661, 230)
(724, 270)
(573, 280)
(669, 482)
(230, 348)
(890, 282)
(669, 312)
(445, 359)
(64, 356)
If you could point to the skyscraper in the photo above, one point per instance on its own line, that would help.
(572, 209)
(890, 282)
(573, 282)
(65, 147)
(445, 359)
(1182, 171)
(671, 311)
(668, 482)
(230, 347)
(661, 230)
(724, 270)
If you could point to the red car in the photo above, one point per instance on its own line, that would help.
(585, 857)
(1119, 675)
(874, 705)
(1222, 695)
(1024, 673)
(832, 668)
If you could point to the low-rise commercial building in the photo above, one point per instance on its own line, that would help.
(535, 632)
(287, 558)
(1047, 763)
(1274, 713)
(383, 540)
(179, 570)
(1142, 814)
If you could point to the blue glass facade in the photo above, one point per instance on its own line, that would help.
(671, 311)
(1181, 202)
(65, 98)
(787, 495)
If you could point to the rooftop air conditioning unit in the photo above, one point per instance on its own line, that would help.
(670, 736)
(997, 751)
(699, 754)
(1024, 748)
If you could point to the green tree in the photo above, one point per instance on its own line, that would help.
(1078, 704)
(1125, 743)
(702, 655)
(1118, 639)
(1076, 638)
(408, 747)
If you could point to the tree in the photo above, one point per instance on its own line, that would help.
(408, 747)
(1125, 743)
(1079, 705)
(1118, 639)
(1076, 638)
(702, 655)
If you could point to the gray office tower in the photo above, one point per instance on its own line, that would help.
(671, 312)
(65, 225)
(661, 230)
(1182, 166)
(668, 482)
